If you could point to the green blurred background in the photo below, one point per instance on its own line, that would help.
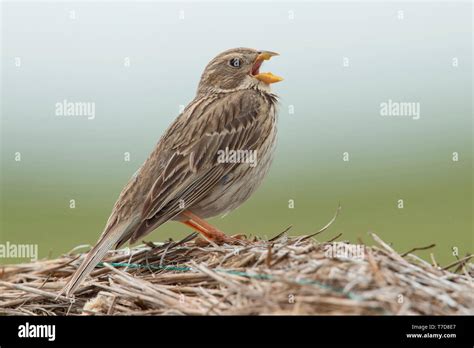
(336, 110)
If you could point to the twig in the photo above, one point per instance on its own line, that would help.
(326, 226)
(463, 260)
(418, 248)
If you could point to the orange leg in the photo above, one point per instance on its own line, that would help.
(207, 230)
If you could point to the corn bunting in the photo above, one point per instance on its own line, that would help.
(208, 162)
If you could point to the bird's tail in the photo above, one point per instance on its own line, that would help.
(106, 241)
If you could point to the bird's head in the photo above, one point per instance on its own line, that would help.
(236, 69)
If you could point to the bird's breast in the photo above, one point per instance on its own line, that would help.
(252, 167)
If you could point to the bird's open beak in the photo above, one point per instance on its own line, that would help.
(267, 77)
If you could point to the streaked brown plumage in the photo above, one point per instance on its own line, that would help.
(182, 178)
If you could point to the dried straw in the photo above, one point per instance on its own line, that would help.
(281, 276)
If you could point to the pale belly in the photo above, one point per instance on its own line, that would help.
(238, 186)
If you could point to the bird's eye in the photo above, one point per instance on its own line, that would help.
(235, 62)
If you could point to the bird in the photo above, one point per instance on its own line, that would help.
(187, 177)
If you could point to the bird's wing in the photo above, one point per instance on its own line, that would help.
(193, 170)
(187, 169)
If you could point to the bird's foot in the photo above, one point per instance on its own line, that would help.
(220, 238)
(210, 234)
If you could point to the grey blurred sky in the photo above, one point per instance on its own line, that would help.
(82, 60)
